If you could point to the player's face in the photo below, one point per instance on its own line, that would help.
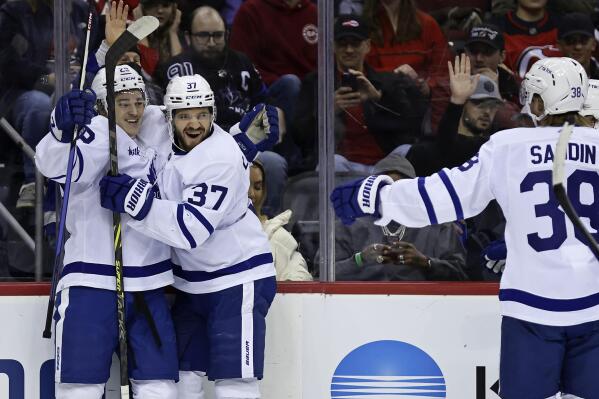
(192, 126)
(350, 52)
(208, 36)
(482, 56)
(479, 115)
(256, 190)
(578, 47)
(129, 109)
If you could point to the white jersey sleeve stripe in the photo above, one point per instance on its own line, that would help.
(452, 194)
(78, 162)
(550, 304)
(183, 228)
(195, 212)
(430, 210)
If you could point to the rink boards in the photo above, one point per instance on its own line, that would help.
(334, 340)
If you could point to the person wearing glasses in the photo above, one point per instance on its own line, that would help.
(236, 84)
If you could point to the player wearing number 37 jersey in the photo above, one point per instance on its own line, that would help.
(550, 288)
(223, 266)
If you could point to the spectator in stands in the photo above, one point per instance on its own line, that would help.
(289, 263)
(466, 124)
(226, 8)
(576, 39)
(280, 37)
(485, 49)
(165, 42)
(375, 111)
(406, 40)
(27, 75)
(529, 25)
(364, 251)
(236, 84)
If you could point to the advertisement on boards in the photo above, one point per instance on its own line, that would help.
(319, 346)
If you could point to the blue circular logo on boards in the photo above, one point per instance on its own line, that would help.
(388, 369)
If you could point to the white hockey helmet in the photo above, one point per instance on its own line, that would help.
(561, 82)
(591, 104)
(125, 79)
(188, 92)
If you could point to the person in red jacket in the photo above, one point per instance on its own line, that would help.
(529, 25)
(406, 40)
(281, 39)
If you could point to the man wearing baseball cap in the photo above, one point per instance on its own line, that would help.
(485, 49)
(576, 39)
(466, 125)
(375, 111)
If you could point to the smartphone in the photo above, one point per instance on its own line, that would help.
(349, 80)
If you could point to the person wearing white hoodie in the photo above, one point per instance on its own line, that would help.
(289, 263)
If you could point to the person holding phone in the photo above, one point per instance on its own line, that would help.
(375, 111)
(366, 252)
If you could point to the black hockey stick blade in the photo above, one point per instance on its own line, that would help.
(558, 178)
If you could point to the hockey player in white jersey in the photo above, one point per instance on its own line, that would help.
(223, 266)
(550, 287)
(86, 315)
(590, 108)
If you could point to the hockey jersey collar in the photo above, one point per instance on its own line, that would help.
(179, 151)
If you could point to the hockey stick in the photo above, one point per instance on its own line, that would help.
(136, 32)
(560, 190)
(67, 189)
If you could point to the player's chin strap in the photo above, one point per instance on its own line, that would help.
(142, 306)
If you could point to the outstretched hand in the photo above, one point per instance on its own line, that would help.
(461, 82)
(116, 21)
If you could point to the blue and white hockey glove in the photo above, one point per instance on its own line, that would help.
(358, 198)
(246, 146)
(262, 126)
(125, 194)
(494, 256)
(74, 108)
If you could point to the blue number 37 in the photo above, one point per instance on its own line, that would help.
(558, 217)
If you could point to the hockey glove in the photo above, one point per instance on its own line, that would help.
(246, 146)
(262, 126)
(74, 108)
(124, 194)
(358, 198)
(494, 256)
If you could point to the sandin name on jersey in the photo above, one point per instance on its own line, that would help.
(578, 152)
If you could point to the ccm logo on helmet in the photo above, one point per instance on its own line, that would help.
(192, 97)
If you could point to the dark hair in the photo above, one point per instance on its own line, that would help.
(408, 24)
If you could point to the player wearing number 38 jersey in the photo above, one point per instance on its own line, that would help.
(223, 266)
(550, 288)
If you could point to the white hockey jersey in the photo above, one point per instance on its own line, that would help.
(89, 251)
(551, 276)
(204, 214)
